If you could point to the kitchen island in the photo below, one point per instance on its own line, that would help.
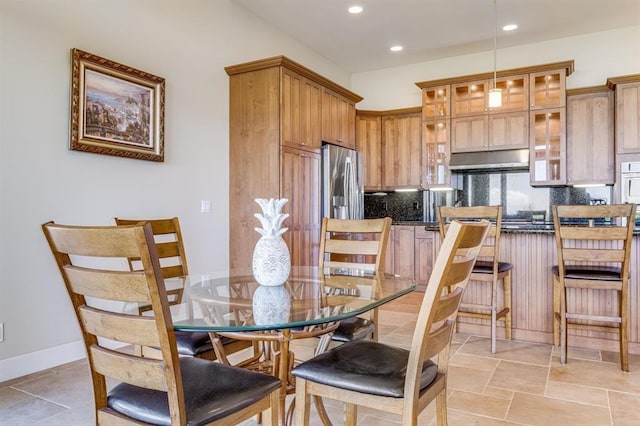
(531, 248)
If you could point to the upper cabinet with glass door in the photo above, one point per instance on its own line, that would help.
(436, 102)
(548, 89)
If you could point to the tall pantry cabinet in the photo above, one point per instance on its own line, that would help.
(275, 136)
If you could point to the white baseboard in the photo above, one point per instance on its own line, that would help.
(32, 362)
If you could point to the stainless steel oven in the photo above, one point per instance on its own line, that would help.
(630, 184)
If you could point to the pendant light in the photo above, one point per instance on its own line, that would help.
(495, 94)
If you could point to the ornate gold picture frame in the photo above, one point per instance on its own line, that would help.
(115, 109)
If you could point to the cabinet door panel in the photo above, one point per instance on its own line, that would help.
(369, 143)
(547, 165)
(590, 143)
(402, 139)
(423, 256)
(301, 186)
(469, 134)
(404, 251)
(628, 118)
(436, 153)
(509, 131)
(300, 112)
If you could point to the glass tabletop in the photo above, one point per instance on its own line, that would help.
(309, 297)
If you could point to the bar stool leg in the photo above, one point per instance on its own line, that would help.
(506, 282)
(556, 312)
(624, 329)
(563, 324)
(494, 313)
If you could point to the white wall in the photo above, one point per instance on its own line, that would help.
(596, 55)
(188, 43)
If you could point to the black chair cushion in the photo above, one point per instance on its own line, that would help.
(364, 366)
(212, 391)
(486, 267)
(354, 328)
(590, 272)
(193, 344)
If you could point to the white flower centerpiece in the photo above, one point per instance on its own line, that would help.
(271, 259)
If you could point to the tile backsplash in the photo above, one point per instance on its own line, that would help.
(520, 201)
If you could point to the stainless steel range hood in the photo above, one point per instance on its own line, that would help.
(489, 160)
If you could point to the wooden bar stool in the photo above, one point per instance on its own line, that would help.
(594, 245)
(488, 268)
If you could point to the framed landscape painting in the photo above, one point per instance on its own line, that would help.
(115, 109)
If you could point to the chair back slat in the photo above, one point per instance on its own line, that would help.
(352, 247)
(93, 241)
(439, 339)
(133, 329)
(593, 255)
(110, 285)
(358, 226)
(144, 372)
(448, 305)
(593, 233)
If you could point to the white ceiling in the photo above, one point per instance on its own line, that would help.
(433, 29)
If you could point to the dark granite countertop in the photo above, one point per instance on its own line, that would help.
(507, 227)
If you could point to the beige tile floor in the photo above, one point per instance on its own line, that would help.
(522, 384)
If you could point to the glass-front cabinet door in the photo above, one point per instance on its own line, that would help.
(547, 147)
(436, 102)
(469, 98)
(515, 93)
(436, 134)
(547, 89)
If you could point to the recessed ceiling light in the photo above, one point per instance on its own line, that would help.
(355, 9)
(396, 48)
(509, 27)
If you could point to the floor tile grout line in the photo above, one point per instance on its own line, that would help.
(40, 397)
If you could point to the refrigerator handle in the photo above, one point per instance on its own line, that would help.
(348, 187)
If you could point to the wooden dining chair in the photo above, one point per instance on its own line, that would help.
(171, 390)
(488, 268)
(391, 379)
(594, 246)
(173, 261)
(354, 244)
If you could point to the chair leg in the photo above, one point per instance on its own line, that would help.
(563, 324)
(274, 412)
(303, 403)
(441, 407)
(556, 312)
(350, 414)
(494, 314)
(624, 331)
(374, 318)
(506, 283)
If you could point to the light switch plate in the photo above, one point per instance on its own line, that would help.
(205, 206)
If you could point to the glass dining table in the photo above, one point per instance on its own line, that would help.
(311, 303)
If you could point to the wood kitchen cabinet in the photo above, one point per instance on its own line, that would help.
(627, 113)
(301, 103)
(401, 251)
(435, 153)
(301, 186)
(275, 124)
(338, 119)
(548, 88)
(369, 143)
(423, 256)
(436, 102)
(402, 140)
(547, 153)
(590, 138)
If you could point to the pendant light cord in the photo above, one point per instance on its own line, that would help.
(495, 42)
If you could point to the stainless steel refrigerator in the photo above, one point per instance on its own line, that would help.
(342, 183)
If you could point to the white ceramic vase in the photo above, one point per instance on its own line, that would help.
(271, 259)
(271, 305)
